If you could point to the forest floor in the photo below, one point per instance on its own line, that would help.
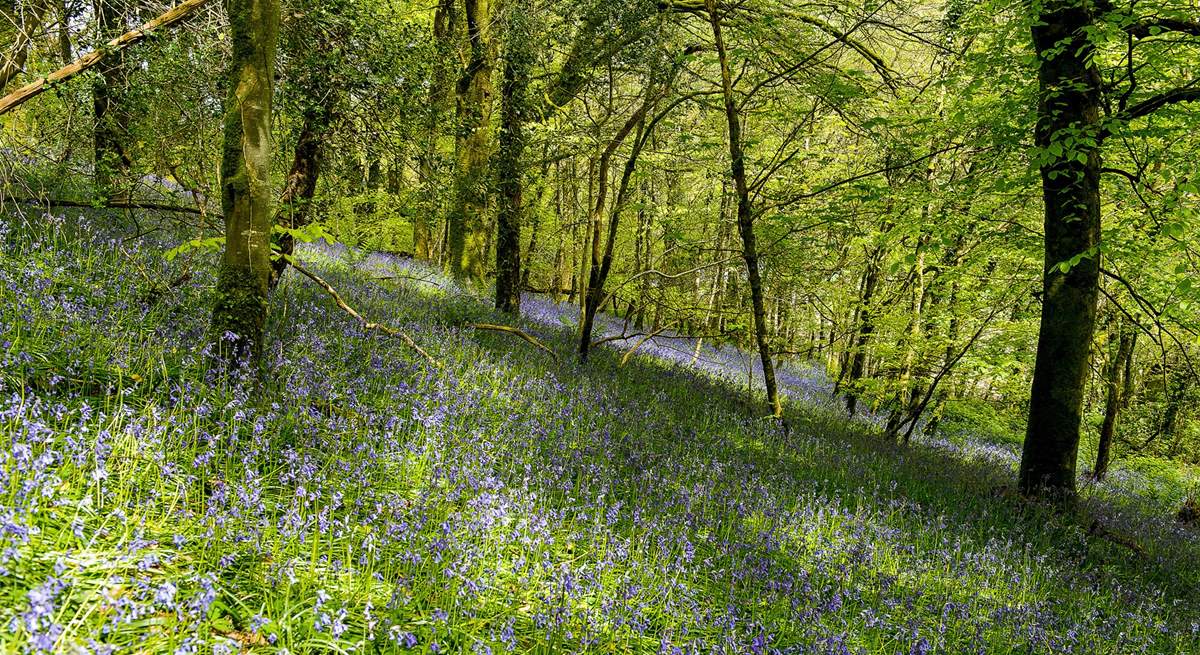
(364, 500)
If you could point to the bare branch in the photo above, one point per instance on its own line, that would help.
(367, 325)
(40, 85)
(525, 336)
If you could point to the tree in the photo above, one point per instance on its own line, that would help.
(745, 212)
(245, 271)
(1071, 128)
(518, 60)
(467, 228)
(112, 158)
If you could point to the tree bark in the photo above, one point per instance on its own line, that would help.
(467, 229)
(243, 283)
(111, 132)
(518, 59)
(745, 213)
(1114, 387)
(1067, 135)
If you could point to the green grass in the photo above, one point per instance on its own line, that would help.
(360, 500)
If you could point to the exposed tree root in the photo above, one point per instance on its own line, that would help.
(367, 325)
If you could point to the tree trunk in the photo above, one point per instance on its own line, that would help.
(866, 327)
(26, 25)
(296, 201)
(112, 160)
(518, 59)
(242, 286)
(1068, 108)
(467, 230)
(1112, 406)
(602, 256)
(745, 213)
(440, 96)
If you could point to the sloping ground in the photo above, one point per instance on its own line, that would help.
(364, 501)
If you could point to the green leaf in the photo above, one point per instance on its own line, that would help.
(195, 244)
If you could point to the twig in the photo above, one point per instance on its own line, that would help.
(516, 332)
(367, 325)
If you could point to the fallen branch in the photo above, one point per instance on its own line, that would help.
(423, 280)
(111, 204)
(516, 332)
(42, 84)
(367, 325)
(638, 345)
(1098, 530)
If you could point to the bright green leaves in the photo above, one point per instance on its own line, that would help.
(202, 245)
(1065, 267)
(307, 234)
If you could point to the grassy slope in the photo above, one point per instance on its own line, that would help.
(363, 501)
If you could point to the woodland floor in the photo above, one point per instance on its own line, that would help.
(363, 500)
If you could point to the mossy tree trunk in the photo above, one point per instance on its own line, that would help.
(518, 60)
(111, 134)
(467, 229)
(245, 272)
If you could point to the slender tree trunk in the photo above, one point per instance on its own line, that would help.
(518, 58)
(1128, 378)
(440, 98)
(295, 203)
(65, 13)
(1176, 393)
(857, 356)
(243, 283)
(26, 25)
(745, 213)
(1114, 387)
(602, 256)
(1069, 107)
(906, 393)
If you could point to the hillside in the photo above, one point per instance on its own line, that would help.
(362, 499)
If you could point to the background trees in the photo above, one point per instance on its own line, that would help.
(944, 205)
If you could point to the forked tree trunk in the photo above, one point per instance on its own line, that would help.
(602, 250)
(295, 203)
(1068, 132)
(245, 272)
